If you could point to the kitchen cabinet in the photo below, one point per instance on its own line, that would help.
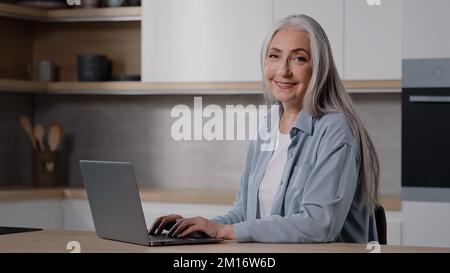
(394, 227)
(69, 209)
(203, 40)
(425, 29)
(330, 18)
(45, 213)
(372, 40)
(426, 223)
(232, 47)
(77, 214)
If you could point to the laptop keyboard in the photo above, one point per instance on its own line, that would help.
(163, 237)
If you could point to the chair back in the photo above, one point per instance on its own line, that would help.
(380, 218)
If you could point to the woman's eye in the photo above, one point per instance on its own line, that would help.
(299, 59)
(273, 56)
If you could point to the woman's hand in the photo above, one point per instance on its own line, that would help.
(164, 223)
(184, 227)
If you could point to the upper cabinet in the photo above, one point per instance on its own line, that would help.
(203, 40)
(425, 29)
(220, 40)
(373, 39)
(328, 13)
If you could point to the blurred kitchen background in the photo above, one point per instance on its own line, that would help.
(108, 73)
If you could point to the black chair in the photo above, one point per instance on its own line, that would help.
(380, 218)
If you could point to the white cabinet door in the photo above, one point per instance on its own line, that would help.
(425, 29)
(372, 40)
(77, 214)
(329, 14)
(426, 223)
(37, 213)
(394, 227)
(203, 40)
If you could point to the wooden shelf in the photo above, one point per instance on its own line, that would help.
(373, 84)
(21, 86)
(140, 88)
(21, 12)
(71, 14)
(98, 14)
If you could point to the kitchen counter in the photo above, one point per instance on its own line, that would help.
(194, 196)
(57, 240)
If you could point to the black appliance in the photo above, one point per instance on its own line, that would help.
(426, 129)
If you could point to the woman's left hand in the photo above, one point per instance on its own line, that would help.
(187, 226)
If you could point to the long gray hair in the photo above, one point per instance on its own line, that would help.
(326, 94)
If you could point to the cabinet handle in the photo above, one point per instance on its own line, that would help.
(444, 99)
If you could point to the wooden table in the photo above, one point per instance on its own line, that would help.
(57, 241)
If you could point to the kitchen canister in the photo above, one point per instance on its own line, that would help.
(92, 67)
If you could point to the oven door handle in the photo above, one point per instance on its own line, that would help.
(441, 99)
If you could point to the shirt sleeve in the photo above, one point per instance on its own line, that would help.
(327, 197)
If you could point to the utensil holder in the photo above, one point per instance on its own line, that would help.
(46, 165)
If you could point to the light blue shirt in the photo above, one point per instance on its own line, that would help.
(319, 198)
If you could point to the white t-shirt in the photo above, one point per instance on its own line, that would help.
(272, 177)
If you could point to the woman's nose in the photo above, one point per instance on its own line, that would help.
(284, 68)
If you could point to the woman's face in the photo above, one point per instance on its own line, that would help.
(288, 66)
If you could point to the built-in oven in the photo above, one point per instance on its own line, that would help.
(426, 129)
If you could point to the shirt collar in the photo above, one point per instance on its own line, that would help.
(303, 123)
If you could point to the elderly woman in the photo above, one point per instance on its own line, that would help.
(320, 184)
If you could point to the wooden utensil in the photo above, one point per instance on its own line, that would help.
(54, 136)
(26, 125)
(39, 136)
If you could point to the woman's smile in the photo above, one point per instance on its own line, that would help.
(285, 85)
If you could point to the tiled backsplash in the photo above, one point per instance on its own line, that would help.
(137, 129)
(15, 147)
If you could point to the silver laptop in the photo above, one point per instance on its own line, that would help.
(116, 206)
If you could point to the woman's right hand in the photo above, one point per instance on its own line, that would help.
(164, 223)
